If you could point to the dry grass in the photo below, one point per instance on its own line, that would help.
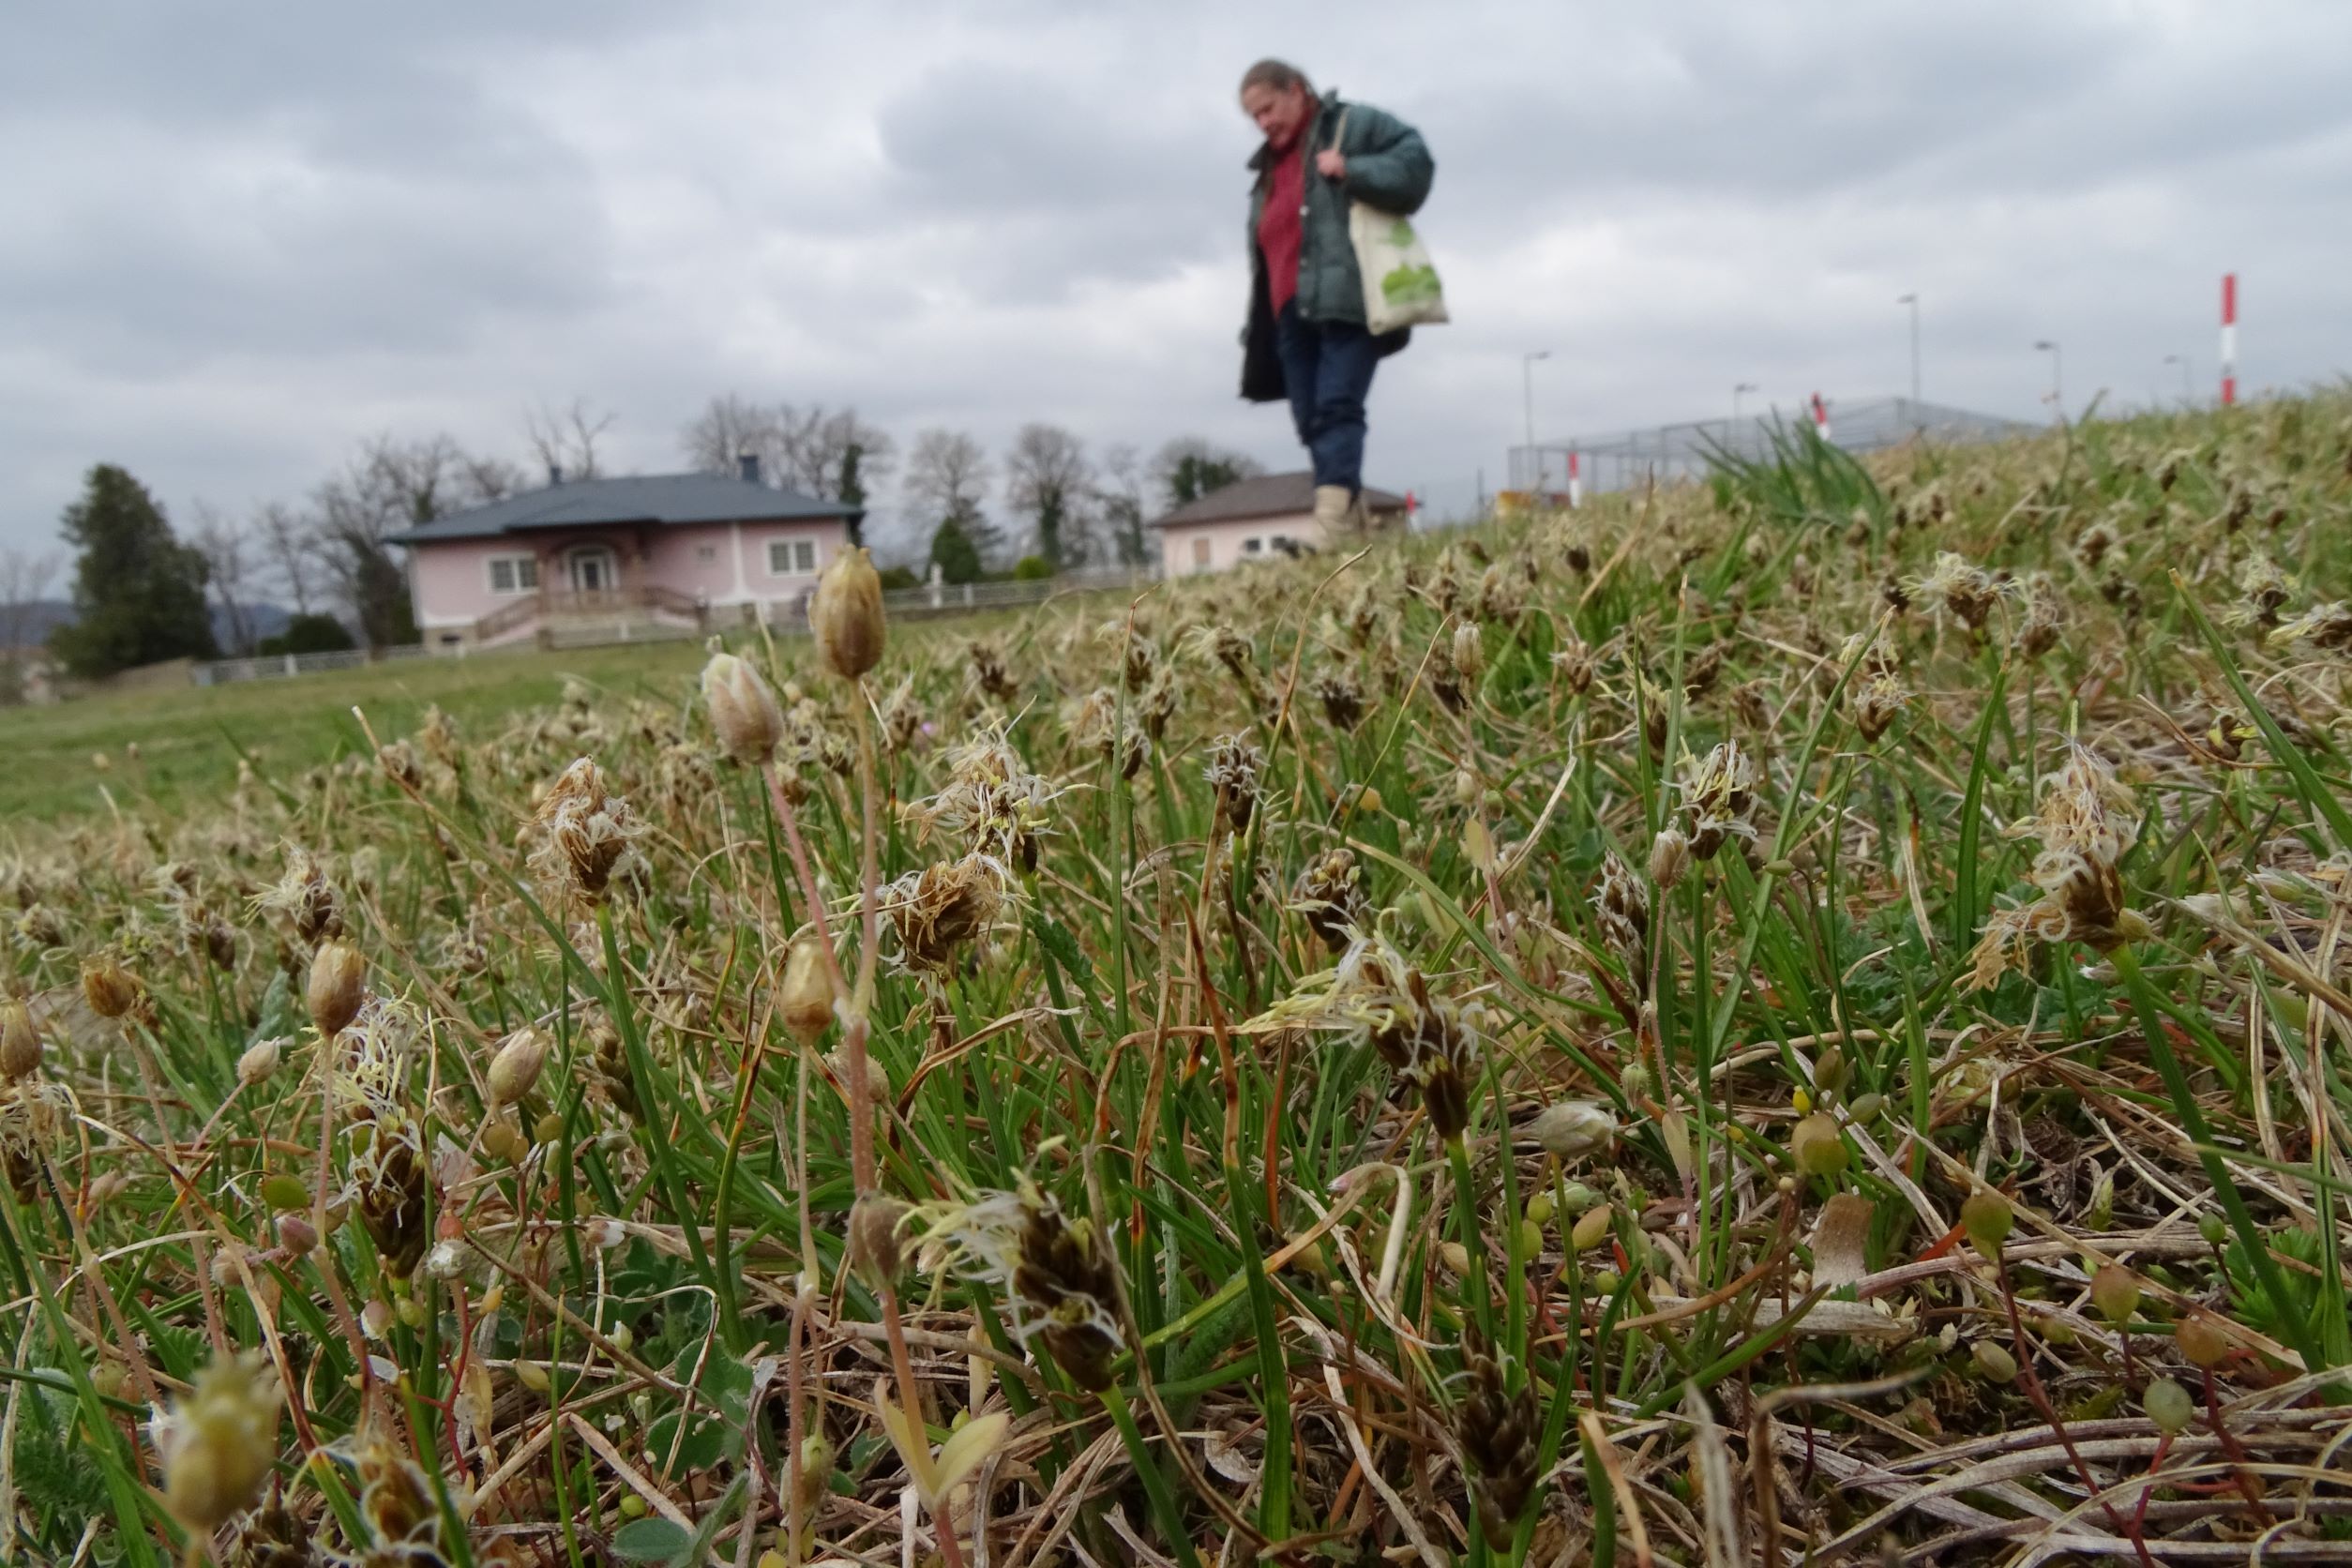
(1625, 1038)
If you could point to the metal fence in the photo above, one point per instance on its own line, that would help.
(1627, 460)
(277, 666)
(903, 604)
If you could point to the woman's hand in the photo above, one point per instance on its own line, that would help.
(1330, 164)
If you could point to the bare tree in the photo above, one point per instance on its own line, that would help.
(947, 474)
(1190, 466)
(232, 560)
(388, 486)
(1049, 479)
(484, 478)
(286, 540)
(1119, 501)
(730, 428)
(834, 455)
(24, 578)
(566, 440)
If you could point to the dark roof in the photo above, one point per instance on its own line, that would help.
(1266, 495)
(653, 498)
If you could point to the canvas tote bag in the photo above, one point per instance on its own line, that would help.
(1400, 282)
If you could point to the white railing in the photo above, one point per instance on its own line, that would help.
(277, 665)
(943, 598)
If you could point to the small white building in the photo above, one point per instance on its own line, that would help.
(1268, 516)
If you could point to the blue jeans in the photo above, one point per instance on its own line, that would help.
(1327, 370)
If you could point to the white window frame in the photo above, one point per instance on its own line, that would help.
(1253, 547)
(518, 564)
(705, 555)
(801, 555)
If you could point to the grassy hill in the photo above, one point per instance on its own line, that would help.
(1805, 1013)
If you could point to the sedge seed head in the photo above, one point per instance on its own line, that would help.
(743, 711)
(846, 613)
(339, 982)
(217, 1443)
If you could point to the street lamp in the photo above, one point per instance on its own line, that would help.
(1912, 300)
(1736, 393)
(2188, 396)
(1526, 379)
(2057, 363)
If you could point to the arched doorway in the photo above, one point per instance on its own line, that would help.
(592, 568)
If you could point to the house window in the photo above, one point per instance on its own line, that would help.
(514, 574)
(706, 553)
(1200, 555)
(1253, 547)
(792, 557)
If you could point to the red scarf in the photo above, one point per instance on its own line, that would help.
(1281, 227)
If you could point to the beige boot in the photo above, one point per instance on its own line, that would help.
(1334, 510)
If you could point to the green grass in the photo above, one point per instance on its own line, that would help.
(188, 738)
(1871, 833)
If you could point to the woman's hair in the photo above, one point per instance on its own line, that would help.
(1280, 75)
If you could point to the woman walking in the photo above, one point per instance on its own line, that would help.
(1306, 339)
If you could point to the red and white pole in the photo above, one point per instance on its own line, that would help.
(1821, 416)
(1575, 480)
(2229, 338)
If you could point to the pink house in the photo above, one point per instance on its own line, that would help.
(1270, 517)
(662, 550)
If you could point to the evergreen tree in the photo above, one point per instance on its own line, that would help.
(850, 487)
(954, 553)
(138, 592)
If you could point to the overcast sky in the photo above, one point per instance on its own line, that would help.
(237, 238)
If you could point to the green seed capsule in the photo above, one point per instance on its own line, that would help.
(1994, 1360)
(1988, 1219)
(1867, 1107)
(282, 1192)
(2212, 1228)
(2169, 1406)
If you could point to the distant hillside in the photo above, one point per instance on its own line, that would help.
(43, 616)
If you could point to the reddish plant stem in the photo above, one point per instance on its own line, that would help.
(2049, 1412)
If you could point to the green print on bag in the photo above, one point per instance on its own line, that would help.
(1409, 284)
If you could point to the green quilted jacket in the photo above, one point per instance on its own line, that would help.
(1388, 167)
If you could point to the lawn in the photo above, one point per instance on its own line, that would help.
(187, 740)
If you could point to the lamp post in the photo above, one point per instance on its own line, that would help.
(2188, 396)
(2057, 384)
(1912, 300)
(1527, 389)
(1730, 432)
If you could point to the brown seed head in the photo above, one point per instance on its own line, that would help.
(1670, 858)
(1497, 1428)
(743, 711)
(846, 613)
(805, 1000)
(217, 1444)
(516, 1068)
(873, 1241)
(1064, 1278)
(20, 1042)
(1329, 896)
(338, 978)
(108, 987)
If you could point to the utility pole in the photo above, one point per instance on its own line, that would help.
(1912, 300)
(1527, 392)
(2057, 383)
(2188, 394)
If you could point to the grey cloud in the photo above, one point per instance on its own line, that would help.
(239, 237)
